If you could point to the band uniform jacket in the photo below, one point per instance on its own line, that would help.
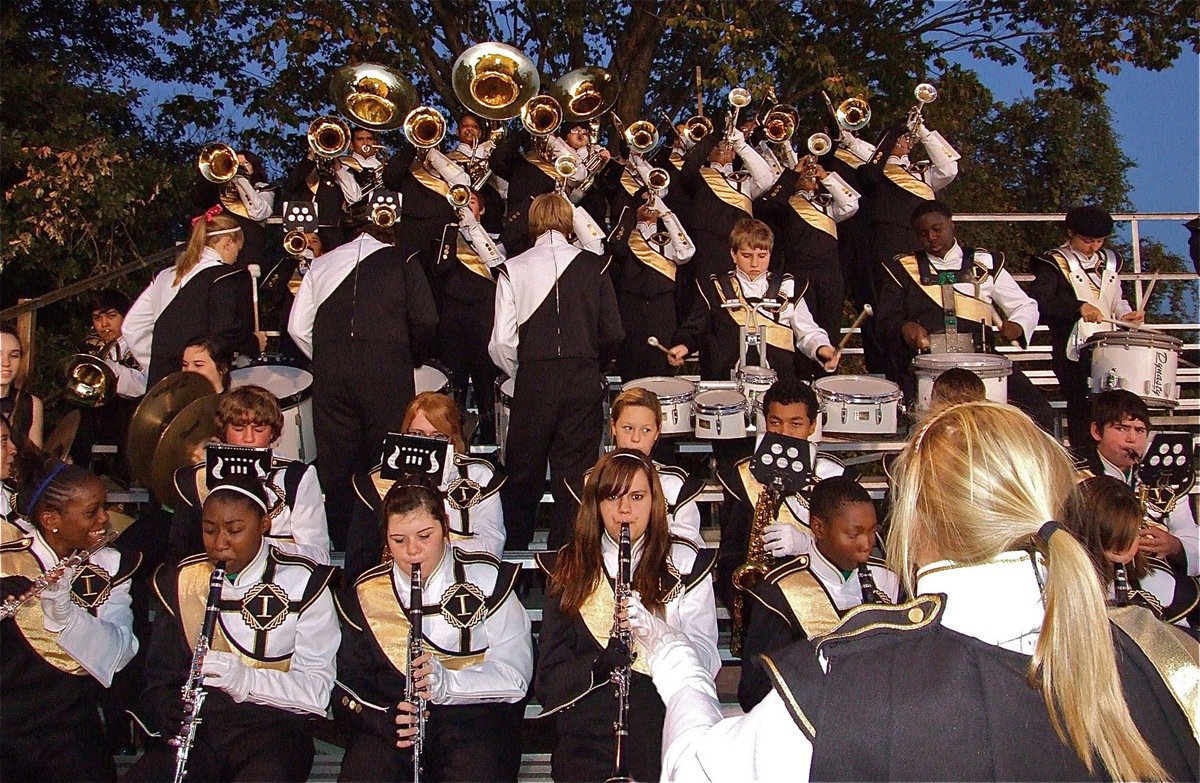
(424, 211)
(680, 490)
(297, 510)
(803, 597)
(567, 684)
(1064, 280)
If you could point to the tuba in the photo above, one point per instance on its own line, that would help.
(758, 560)
(853, 114)
(585, 93)
(494, 80)
(218, 163)
(373, 96)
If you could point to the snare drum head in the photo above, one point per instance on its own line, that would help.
(428, 378)
(289, 384)
(985, 365)
(1132, 338)
(720, 399)
(665, 388)
(757, 375)
(855, 386)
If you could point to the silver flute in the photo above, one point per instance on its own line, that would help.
(52, 574)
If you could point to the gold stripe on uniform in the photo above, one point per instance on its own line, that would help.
(642, 250)
(17, 559)
(597, 614)
(965, 306)
(544, 165)
(754, 489)
(630, 184)
(813, 216)
(390, 627)
(1171, 652)
(471, 260)
(429, 179)
(776, 335)
(724, 191)
(848, 157)
(193, 598)
(902, 177)
(809, 602)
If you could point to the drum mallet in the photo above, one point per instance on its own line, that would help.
(862, 316)
(1129, 325)
(255, 272)
(653, 341)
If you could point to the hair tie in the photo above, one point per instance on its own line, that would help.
(209, 214)
(37, 493)
(1047, 530)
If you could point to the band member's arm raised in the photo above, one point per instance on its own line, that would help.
(941, 155)
(587, 233)
(761, 175)
(259, 203)
(450, 172)
(845, 198)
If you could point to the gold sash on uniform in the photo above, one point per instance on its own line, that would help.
(776, 335)
(642, 250)
(193, 597)
(809, 602)
(813, 216)
(1170, 651)
(544, 165)
(597, 614)
(965, 306)
(471, 260)
(848, 157)
(429, 179)
(631, 185)
(390, 627)
(724, 191)
(902, 177)
(233, 202)
(17, 559)
(754, 489)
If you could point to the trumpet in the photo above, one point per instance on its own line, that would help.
(739, 98)
(295, 242)
(459, 196)
(819, 144)
(853, 114)
(424, 127)
(925, 93)
(696, 128)
(565, 166)
(328, 137)
(218, 163)
(383, 215)
(657, 180)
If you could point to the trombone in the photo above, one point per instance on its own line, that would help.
(853, 114)
(696, 128)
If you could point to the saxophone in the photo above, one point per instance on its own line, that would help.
(416, 647)
(758, 560)
(622, 674)
(871, 594)
(193, 694)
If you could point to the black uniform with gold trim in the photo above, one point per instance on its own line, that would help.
(277, 618)
(477, 630)
(570, 687)
(472, 488)
(52, 676)
(529, 174)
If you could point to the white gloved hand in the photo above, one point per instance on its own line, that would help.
(649, 630)
(674, 664)
(226, 671)
(57, 608)
(783, 540)
(437, 681)
(737, 139)
(660, 205)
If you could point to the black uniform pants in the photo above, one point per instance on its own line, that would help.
(360, 391)
(277, 752)
(644, 317)
(1074, 379)
(463, 348)
(557, 415)
(75, 752)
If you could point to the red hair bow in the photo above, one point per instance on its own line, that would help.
(209, 214)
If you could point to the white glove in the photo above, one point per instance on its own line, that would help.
(57, 609)
(674, 666)
(660, 205)
(648, 629)
(737, 139)
(783, 540)
(226, 671)
(437, 681)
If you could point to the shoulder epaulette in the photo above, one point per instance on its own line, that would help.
(501, 269)
(702, 565)
(227, 275)
(689, 491)
(475, 556)
(546, 561)
(789, 566)
(498, 475)
(291, 558)
(342, 613)
(876, 561)
(867, 620)
(130, 563)
(185, 483)
(364, 488)
(828, 457)
(374, 572)
(506, 581)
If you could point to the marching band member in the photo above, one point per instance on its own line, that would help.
(713, 327)
(557, 321)
(912, 306)
(1002, 598)
(250, 416)
(1076, 287)
(465, 270)
(423, 177)
(1120, 429)
(249, 198)
(209, 358)
(366, 318)
(645, 278)
(578, 648)
(720, 197)
(471, 488)
(600, 170)
(790, 408)
(806, 596)
(8, 475)
(64, 646)
(202, 295)
(476, 659)
(326, 183)
(803, 208)
(473, 153)
(270, 666)
(364, 164)
(22, 408)
(1104, 514)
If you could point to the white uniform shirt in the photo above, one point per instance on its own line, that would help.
(843, 202)
(999, 289)
(138, 327)
(679, 247)
(761, 176)
(131, 382)
(846, 592)
(942, 157)
(795, 315)
(259, 200)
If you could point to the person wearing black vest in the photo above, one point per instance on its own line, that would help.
(423, 178)
(366, 317)
(528, 165)
(326, 184)
(1005, 666)
(597, 189)
(201, 295)
(911, 306)
(557, 321)
(249, 198)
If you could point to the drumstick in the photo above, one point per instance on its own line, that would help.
(653, 341)
(1128, 325)
(862, 316)
(1149, 290)
(255, 272)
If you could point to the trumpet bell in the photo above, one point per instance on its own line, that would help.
(217, 163)
(853, 114)
(494, 80)
(819, 144)
(697, 128)
(642, 137)
(459, 196)
(541, 115)
(328, 136)
(739, 97)
(295, 242)
(373, 96)
(424, 127)
(925, 92)
(658, 179)
(565, 165)
(779, 125)
(87, 381)
(585, 93)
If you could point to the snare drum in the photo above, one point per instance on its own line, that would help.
(720, 414)
(505, 389)
(293, 388)
(753, 383)
(1143, 362)
(992, 369)
(428, 378)
(675, 397)
(858, 405)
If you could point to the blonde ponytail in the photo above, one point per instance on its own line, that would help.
(198, 240)
(980, 479)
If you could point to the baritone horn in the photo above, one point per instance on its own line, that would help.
(218, 163)
(88, 381)
(459, 196)
(328, 136)
(494, 80)
(853, 114)
(424, 127)
(373, 96)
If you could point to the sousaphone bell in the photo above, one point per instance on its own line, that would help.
(585, 93)
(494, 80)
(372, 95)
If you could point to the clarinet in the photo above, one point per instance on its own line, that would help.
(870, 593)
(416, 647)
(621, 675)
(13, 603)
(193, 690)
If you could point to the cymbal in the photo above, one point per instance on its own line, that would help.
(191, 427)
(63, 437)
(156, 410)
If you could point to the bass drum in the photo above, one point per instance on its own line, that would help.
(429, 377)
(292, 386)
